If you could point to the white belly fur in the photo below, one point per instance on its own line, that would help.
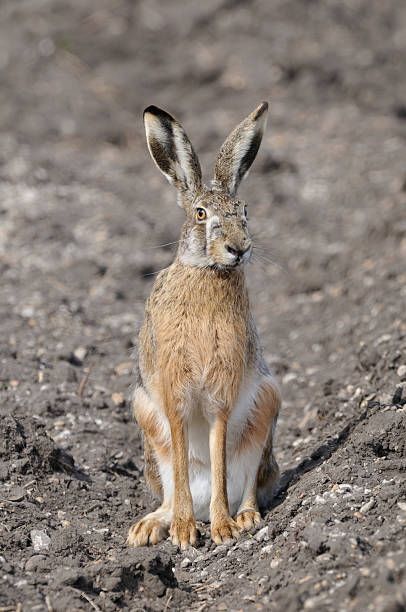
(241, 467)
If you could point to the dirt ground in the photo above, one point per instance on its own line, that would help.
(83, 211)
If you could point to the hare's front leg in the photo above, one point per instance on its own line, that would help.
(256, 451)
(155, 526)
(223, 528)
(183, 529)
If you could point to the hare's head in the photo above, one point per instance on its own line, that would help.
(215, 233)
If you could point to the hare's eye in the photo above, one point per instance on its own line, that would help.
(201, 214)
(245, 212)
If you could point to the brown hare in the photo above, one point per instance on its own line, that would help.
(206, 401)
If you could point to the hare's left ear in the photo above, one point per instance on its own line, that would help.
(239, 151)
(172, 150)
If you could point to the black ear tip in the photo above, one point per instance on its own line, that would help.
(262, 108)
(154, 110)
(157, 112)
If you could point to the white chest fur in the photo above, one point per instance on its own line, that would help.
(242, 465)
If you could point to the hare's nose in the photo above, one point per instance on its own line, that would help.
(237, 252)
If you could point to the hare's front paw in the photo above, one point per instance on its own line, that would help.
(224, 529)
(150, 530)
(183, 532)
(247, 519)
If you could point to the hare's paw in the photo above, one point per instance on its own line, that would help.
(223, 530)
(183, 532)
(248, 519)
(150, 530)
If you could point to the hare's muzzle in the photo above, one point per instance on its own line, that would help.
(238, 253)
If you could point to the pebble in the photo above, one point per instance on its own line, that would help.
(266, 549)
(401, 371)
(310, 603)
(185, 562)
(124, 368)
(40, 540)
(274, 563)
(80, 353)
(16, 494)
(118, 399)
(33, 562)
(246, 544)
(402, 506)
(192, 553)
(365, 508)
(262, 535)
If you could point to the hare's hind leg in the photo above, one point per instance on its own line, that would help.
(259, 434)
(155, 526)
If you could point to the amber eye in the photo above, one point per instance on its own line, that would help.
(201, 214)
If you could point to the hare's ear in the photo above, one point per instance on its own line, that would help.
(172, 150)
(239, 151)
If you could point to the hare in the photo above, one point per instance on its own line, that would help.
(205, 400)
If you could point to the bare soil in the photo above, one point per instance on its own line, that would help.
(82, 214)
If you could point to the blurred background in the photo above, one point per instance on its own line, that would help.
(83, 209)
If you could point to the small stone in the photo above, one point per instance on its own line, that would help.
(402, 506)
(124, 368)
(222, 549)
(274, 563)
(118, 399)
(262, 535)
(291, 376)
(222, 606)
(16, 494)
(365, 508)
(65, 523)
(401, 371)
(14, 383)
(111, 583)
(310, 603)
(246, 544)
(185, 562)
(319, 500)
(33, 562)
(191, 552)
(358, 515)
(266, 550)
(40, 540)
(80, 353)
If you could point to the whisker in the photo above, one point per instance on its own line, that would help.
(158, 246)
(152, 273)
(266, 260)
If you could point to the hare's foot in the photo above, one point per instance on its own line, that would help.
(248, 518)
(224, 529)
(183, 532)
(150, 530)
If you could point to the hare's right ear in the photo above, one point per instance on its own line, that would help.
(239, 151)
(172, 150)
